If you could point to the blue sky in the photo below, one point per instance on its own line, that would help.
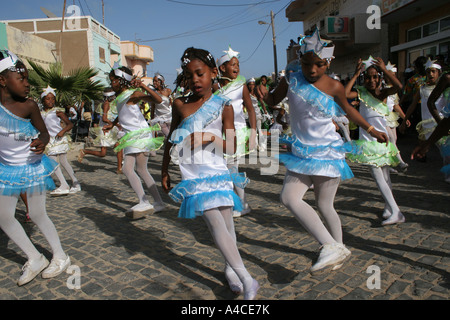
(171, 26)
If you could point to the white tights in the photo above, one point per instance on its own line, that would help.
(294, 188)
(234, 167)
(383, 180)
(140, 161)
(62, 160)
(221, 225)
(38, 213)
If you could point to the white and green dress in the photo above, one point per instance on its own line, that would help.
(234, 91)
(376, 113)
(138, 134)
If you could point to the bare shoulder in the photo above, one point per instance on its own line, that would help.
(178, 104)
(334, 86)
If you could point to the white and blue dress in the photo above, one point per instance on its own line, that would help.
(444, 142)
(206, 182)
(316, 148)
(21, 169)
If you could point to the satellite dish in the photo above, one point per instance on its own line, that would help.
(48, 13)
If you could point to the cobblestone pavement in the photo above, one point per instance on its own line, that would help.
(164, 257)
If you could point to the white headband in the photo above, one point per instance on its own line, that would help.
(227, 56)
(251, 80)
(160, 77)
(9, 61)
(119, 73)
(432, 64)
(47, 91)
(109, 94)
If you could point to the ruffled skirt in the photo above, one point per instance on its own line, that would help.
(322, 160)
(141, 140)
(376, 154)
(31, 178)
(102, 139)
(201, 194)
(58, 145)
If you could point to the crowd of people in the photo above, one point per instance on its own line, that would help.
(206, 125)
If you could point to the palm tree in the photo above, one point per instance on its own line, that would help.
(77, 86)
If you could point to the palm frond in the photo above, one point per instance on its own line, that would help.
(76, 86)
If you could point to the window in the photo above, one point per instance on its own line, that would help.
(414, 34)
(101, 54)
(430, 29)
(445, 23)
(430, 52)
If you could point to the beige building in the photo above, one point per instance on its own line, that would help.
(27, 46)
(137, 57)
(80, 41)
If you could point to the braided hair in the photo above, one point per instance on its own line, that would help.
(199, 54)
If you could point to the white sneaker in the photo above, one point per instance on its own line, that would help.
(332, 254)
(59, 192)
(247, 209)
(76, 188)
(140, 211)
(393, 219)
(31, 269)
(159, 206)
(56, 267)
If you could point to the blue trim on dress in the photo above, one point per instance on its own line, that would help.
(321, 102)
(206, 114)
(304, 162)
(31, 178)
(10, 123)
(315, 167)
(197, 204)
(193, 203)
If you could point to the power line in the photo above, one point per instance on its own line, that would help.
(194, 32)
(264, 36)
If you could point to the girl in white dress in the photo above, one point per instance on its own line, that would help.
(318, 151)
(108, 112)
(233, 86)
(162, 112)
(429, 120)
(137, 142)
(24, 169)
(59, 143)
(199, 122)
(378, 157)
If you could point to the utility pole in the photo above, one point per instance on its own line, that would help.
(274, 47)
(62, 32)
(103, 12)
